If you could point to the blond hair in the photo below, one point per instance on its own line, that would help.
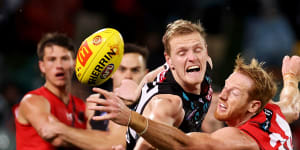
(264, 88)
(181, 27)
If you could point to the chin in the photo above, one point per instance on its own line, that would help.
(221, 117)
(60, 84)
(193, 81)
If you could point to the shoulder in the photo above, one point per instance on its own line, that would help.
(33, 100)
(31, 104)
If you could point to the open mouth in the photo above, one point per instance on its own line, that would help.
(222, 107)
(59, 74)
(193, 69)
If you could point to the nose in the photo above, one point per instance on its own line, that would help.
(59, 63)
(192, 56)
(128, 75)
(223, 94)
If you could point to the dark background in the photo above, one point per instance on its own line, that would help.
(264, 29)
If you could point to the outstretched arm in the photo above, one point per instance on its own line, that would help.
(35, 110)
(289, 97)
(119, 113)
(86, 138)
(163, 136)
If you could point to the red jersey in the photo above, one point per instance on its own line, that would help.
(269, 129)
(71, 114)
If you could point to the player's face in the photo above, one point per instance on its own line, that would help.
(57, 65)
(132, 67)
(188, 57)
(233, 100)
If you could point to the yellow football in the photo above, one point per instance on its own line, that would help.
(99, 56)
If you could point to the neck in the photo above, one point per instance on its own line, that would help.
(239, 122)
(61, 92)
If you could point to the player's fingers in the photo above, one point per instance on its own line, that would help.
(105, 93)
(286, 58)
(285, 65)
(103, 117)
(100, 108)
(97, 101)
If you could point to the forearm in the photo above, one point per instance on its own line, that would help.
(290, 98)
(87, 139)
(159, 135)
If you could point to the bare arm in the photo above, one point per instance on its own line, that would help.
(166, 137)
(289, 97)
(35, 110)
(164, 108)
(92, 139)
(60, 134)
(163, 136)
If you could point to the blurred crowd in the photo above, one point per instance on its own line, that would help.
(264, 29)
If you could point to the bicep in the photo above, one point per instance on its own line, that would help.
(35, 110)
(164, 108)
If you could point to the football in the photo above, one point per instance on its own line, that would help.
(99, 56)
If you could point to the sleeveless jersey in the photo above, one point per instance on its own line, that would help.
(195, 106)
(71, 114)
(269, 129)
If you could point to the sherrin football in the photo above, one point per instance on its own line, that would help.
(99, 56)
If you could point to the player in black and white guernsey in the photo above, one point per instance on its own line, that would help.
(195, 106)
(180, 96)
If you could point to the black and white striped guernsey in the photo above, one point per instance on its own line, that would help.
(195, 106)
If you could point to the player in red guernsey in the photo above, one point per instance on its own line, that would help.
(254, 121)
(269, 129)
(56, 55)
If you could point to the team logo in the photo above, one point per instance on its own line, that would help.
(107, 71)
(97, 40)
(84, 53)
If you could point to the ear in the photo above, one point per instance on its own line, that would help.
(210, 62)
(254, 106)
(169, 61)
(42, 66)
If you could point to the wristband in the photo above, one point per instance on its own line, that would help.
(146, 128)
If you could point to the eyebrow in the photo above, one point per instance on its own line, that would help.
(130, 67)
(234, 87)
